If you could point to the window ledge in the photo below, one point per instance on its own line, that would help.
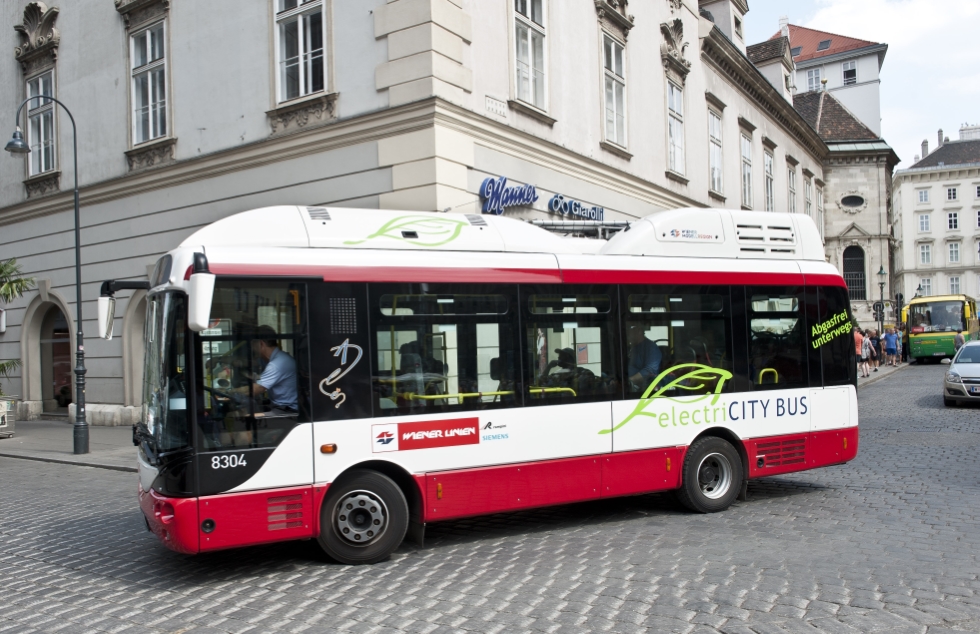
(618, 150)
(531, 111)
(43, 184)
(674, 176)
(716, 195)
(298, 111)
(152, 154)
(746, 208)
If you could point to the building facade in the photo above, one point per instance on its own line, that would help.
(937, 201)
(617, 109)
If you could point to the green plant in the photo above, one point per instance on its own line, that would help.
(13, 284)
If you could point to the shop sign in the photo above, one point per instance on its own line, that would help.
(496, 196)
(575, 210)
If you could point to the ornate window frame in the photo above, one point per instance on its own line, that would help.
(610, 46)
(676, 66)
(38, 55)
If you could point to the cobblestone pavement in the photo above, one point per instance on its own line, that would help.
(887, 543)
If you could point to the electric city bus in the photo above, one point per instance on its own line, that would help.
(349, 375)
(934, 321)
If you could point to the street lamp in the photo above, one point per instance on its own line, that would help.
(881, 288)
(16, 145)
(918, 291)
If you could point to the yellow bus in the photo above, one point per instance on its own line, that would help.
(934, 321)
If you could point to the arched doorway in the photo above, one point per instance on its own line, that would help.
(854, 275)
(56, 360)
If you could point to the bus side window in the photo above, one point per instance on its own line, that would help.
(571, 349)
(833, 336)
(676, 327)
(776, 331)
(443, 347)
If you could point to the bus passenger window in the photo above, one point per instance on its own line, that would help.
(833, 336)
(254, 372)
(570, 346)
(442, 347)
(671, 332)
(777, 352)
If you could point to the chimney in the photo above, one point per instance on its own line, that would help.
(940, 138)
(925, 148)
(915, 160)
(784, 25)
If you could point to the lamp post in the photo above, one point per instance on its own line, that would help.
(918, 291)
(16, 145)
(881, 289)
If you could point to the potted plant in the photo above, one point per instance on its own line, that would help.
(12, 285)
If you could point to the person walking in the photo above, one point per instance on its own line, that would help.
(875, 350)
(958, 341)
(866, 351)
(905, 343)
(858, 346)
(891, 346)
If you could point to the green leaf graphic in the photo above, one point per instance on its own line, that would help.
(697, 376)
(432, 231)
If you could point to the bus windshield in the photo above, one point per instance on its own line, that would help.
(943, 316)
(165, 426)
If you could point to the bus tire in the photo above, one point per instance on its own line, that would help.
(363, 519)
(712, 476)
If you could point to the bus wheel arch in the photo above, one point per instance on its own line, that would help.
(714, 472)
(732, 439)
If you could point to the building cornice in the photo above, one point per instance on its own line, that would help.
(939, 172)
(879, 49)
(725, 58)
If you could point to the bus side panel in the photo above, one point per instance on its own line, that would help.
(257, 517)
(634, 472)
(832, 446)
(465, 492)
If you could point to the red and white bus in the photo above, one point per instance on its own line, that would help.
(418, 367)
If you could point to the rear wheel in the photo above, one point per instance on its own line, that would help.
(712, 476)
(364, 518)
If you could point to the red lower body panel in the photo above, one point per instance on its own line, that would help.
(633, 472)
(257, 517)
(774, 455)
(172, 520)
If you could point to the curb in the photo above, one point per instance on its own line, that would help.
(72, 462)
(884, 376)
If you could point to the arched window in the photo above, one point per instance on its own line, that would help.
(854, 272)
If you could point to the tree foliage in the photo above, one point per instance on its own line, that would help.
(13, 284)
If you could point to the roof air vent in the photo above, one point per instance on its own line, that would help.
(476, 220)
(823, 45)
(318, 213)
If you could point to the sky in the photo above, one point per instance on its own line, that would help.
(931, 73)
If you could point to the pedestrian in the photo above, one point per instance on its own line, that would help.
(858, 346)
(866, 350)
(905, 343)
(958, 340)
(875, 349)
(891, 346)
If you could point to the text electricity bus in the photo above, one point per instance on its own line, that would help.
(934, 321)
(350, 375)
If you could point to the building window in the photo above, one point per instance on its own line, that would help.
(924, 225)
(850, 73)
(767, 166)
(301, 48)
(529, 37)
(978, 218)
(675, 126)
(926, 284)
(615, 77)
(953, 220)
(923, 195)
(715, 155)
(925, 254)
(950, 193)
(823, 45)
(813, 79)
(820, 210)
(791, 186)
(40, 123)
(854, 272)
(808, 196)
(978, 191)
(746, 172)
(954, 285)
(738, 27)
(954, 252)
(149, 58)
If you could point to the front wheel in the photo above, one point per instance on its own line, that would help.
(364, 518)
(712, 476)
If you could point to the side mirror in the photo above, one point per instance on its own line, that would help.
(107, 312)
(200, 291)
(946, 361)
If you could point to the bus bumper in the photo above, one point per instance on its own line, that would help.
(172, 520)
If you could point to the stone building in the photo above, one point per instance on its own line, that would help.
(614, 108)
(937, 203)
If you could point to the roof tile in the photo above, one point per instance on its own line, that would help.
(809, 39)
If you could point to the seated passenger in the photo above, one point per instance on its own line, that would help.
(278, 378)
(644, 358)
(568, 373)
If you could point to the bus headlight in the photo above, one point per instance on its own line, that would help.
(952, 377)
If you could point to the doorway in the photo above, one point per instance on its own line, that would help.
(56, 371)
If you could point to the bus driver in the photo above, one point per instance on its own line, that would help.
(278, 379)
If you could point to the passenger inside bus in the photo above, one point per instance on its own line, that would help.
(564, 372)
(645, 358)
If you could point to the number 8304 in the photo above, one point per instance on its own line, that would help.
(228, 461)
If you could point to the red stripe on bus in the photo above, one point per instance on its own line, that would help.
(393, 273)
(581, 276)
(821, 279)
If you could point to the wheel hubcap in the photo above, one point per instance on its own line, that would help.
(714, 476)
(361, 517)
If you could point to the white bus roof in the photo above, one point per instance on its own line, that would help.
(689, 232)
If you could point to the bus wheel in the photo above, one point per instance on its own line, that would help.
(363, 519)
(712, 476)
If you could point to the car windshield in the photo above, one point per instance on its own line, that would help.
(937, 316)
(165, 422)
(969, 354)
